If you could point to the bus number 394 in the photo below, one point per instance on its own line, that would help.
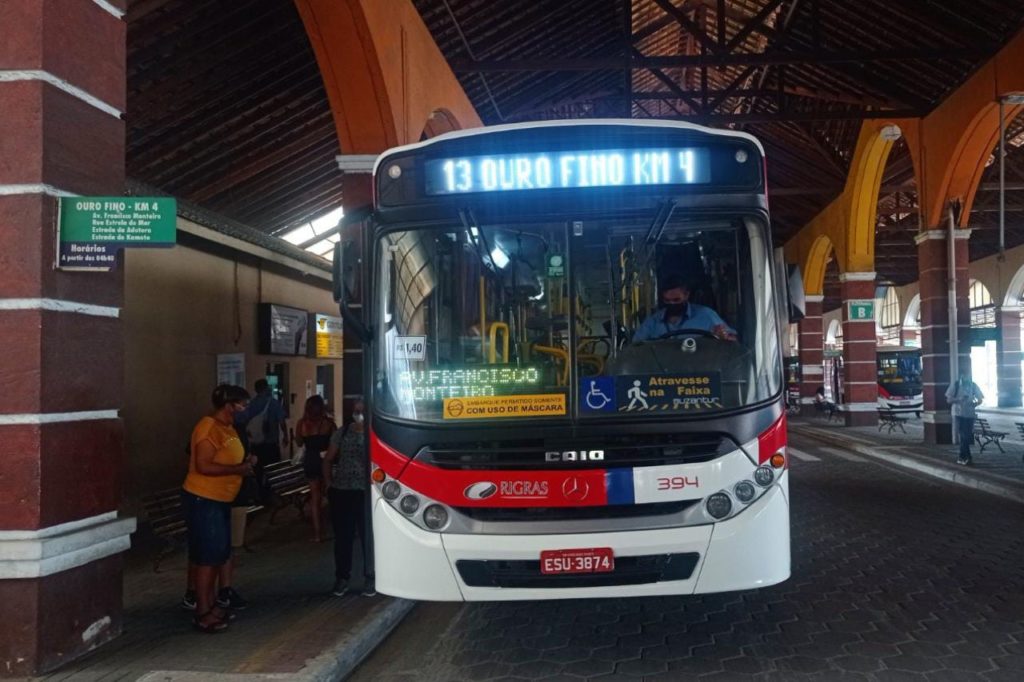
(678, 482)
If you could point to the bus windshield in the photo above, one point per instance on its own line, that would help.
(635, 316)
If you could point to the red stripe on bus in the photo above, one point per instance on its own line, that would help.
(387, 458)
(772, 440)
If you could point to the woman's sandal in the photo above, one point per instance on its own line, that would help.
(211, 627)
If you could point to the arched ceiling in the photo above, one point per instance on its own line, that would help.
(226, 107)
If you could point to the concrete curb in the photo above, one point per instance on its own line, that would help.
(330, 666)
(338, 665)
(955, 476)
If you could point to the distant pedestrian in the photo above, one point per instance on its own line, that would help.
(964, 396)
(264, 429)
(314, 432)
(346, 471)
(216, 466)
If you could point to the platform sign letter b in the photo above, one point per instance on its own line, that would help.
(862, 310)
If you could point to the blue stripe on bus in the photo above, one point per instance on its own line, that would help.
(619, 483)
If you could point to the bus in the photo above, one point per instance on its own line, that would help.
(899, 379)
(533, 434)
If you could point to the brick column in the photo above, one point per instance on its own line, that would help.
(860, 370)
(933, 260)
(812, 340)
(1009, 357)
(62, 94)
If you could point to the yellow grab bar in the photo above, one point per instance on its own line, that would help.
(559, 354)
(492, 355)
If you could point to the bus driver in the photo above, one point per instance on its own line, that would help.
(677, 313)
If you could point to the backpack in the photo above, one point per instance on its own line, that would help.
(257, 429)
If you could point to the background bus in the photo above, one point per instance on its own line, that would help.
(899, 379)
(527, 439)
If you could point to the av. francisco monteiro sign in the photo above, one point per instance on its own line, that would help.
(91, 230)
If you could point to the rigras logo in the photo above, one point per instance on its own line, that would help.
(480, 490)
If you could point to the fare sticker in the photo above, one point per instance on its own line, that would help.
(500, 407)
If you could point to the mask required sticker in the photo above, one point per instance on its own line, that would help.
(669, 392)
(504, 406)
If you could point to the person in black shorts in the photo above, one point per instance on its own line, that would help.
(313, 433)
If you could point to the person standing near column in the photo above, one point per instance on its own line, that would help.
(216, 466)
(964, 396)
(345, 470)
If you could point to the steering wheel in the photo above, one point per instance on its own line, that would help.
(687, 332)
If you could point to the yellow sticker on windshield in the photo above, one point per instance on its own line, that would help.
(502, 406)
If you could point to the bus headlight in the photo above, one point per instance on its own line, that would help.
(718, 505)
(409, 504)
(391, 490)
(744, 491)
(764, 476)
(435, 517)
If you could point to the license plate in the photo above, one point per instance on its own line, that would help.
(562, 561)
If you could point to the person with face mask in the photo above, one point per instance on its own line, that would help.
(217, 463)
(677, 313)
(345, 468)
(964, 396)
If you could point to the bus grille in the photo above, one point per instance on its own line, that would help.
(636, 450)
(629, 570)
(575, 513)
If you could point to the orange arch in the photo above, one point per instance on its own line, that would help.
(815, 264)
(952, 144)
(383, 72)
(848, 223)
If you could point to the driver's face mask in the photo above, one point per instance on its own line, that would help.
(675, 306)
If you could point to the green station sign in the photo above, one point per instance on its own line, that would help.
(862, 310)
(91, 230)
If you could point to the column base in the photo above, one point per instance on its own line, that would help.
(57, 618)
(938, 428)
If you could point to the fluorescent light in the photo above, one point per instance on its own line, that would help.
(499, 257)
(891, 133)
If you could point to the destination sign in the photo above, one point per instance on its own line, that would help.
(438, 384)
(568, 169)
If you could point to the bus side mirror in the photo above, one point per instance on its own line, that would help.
(795, 293)
(347, 270)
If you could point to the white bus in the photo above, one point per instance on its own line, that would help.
(541, 427)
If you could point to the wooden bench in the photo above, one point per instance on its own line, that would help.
(288, 485)
(887, 419)
(984, 435)
(165, 515)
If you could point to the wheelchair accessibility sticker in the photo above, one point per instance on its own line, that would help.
(597, 394)
(662, 393)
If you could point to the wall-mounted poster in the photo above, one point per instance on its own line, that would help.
(282, 330)
(231, 369)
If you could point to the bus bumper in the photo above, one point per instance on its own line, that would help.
(747, 551)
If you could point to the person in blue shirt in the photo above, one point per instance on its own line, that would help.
(678, 313)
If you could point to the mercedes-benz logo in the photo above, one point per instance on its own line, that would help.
(575, 489)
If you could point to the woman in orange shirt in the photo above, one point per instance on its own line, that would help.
(216, 466)
(314, 432)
